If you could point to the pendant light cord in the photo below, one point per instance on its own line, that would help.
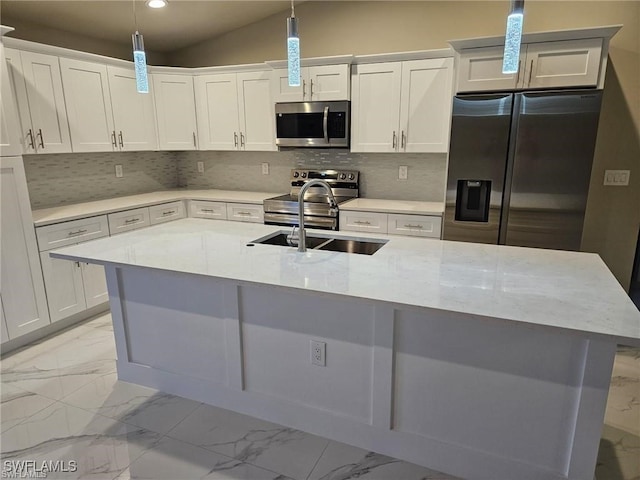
(293, 13)
(135, 18)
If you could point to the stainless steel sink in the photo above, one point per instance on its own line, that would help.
(328, 242)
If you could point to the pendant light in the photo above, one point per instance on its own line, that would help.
(139, 57)
(293, 49)
(513, 37)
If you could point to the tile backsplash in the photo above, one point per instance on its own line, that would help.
(378, 179)
(66, 178)
(62, 179)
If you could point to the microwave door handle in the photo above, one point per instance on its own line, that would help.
(325, 122)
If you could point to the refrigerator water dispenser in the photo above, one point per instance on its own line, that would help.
(473, 200)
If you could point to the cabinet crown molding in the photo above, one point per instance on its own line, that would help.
(605, 32)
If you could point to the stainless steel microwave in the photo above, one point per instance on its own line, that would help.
(312, 124)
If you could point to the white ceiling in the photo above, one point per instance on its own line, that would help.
(182, 23)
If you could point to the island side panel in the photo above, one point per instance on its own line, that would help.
(473, 397)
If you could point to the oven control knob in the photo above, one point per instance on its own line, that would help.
(303, 174)
(343, 176)
(296, 174)
(351, 176)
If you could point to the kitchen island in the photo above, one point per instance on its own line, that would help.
(481, 361)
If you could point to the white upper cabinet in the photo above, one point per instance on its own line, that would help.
(23, 296)
(41, 103)
(106, 113)
(176, 111)
(133, 112)
(317, 83)
(566, 63)
(402, 106)
(235, 111)
(9, 131)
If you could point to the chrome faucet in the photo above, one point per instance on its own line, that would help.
(333, 205)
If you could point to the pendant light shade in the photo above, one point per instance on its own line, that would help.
(140, 63)
(513, 37)
(293, 50)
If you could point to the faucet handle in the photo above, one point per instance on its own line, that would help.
(293, 239)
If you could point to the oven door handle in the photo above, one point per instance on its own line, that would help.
(325, 124)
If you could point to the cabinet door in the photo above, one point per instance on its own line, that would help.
(571, 63)
(63, 281)
(86, 90)
(10, 143)
(95, 284)
(281, 90)
(256, 112)
(480, 69)
(329, 82)
(425, 113)
(23, 295)
(46, 103)
(176, 111)
(133, 112)
(414, 225)
(217, 112)
(375, 107)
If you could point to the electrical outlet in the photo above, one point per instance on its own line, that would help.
(403, 172)
(200, 167)
(119, 173)
(618, 178)
(265, 168)
(318, 353)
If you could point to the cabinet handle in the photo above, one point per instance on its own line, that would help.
(41, 138)
(241, 139)
(235, 139)
(194, 140)
(207, 210)
(393, 143)
(30, 136)
(168, 212)
(304, 89)
(403, 142)
(360, 222)
(113, 139)
(530, 72)
(413, 226)
(311, 89)
(131, 220)
(120, 138)
(244, 213)
(518, 75)
(77, 264)
(76, 233)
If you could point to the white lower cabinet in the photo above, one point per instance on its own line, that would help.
(72, 287)
(237, 212)
(245, 212)
(127, 220)
(207, 209)
(391, 223)
(166, 212)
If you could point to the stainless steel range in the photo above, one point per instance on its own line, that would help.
(283, 210)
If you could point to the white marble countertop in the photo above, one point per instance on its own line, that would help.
(542, 288)
(48, 216)
(393, 206)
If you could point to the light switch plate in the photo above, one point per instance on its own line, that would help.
(119, 173)
(618, 178)
(403, 172)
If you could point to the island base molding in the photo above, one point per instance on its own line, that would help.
(474, 397)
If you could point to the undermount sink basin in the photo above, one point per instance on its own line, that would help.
(328, 242)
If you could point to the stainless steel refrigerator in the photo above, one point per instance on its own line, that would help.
(519, 167)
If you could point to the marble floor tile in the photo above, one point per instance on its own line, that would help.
(344, 462)
(247, 439)
(18, 405)
(102, 322)
(618, 455)
(133, 404)
(172, 459)
(101, 447)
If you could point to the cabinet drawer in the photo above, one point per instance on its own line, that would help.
(243, 212)
(205, 209)
(128, 220)
(69, 233)
(415, 225)
(363, 222)
(166, 212)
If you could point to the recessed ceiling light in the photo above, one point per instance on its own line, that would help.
(157, 3)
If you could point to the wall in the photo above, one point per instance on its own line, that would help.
(62, 179)
(51, 36)
(333, 28)
(379, 171)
